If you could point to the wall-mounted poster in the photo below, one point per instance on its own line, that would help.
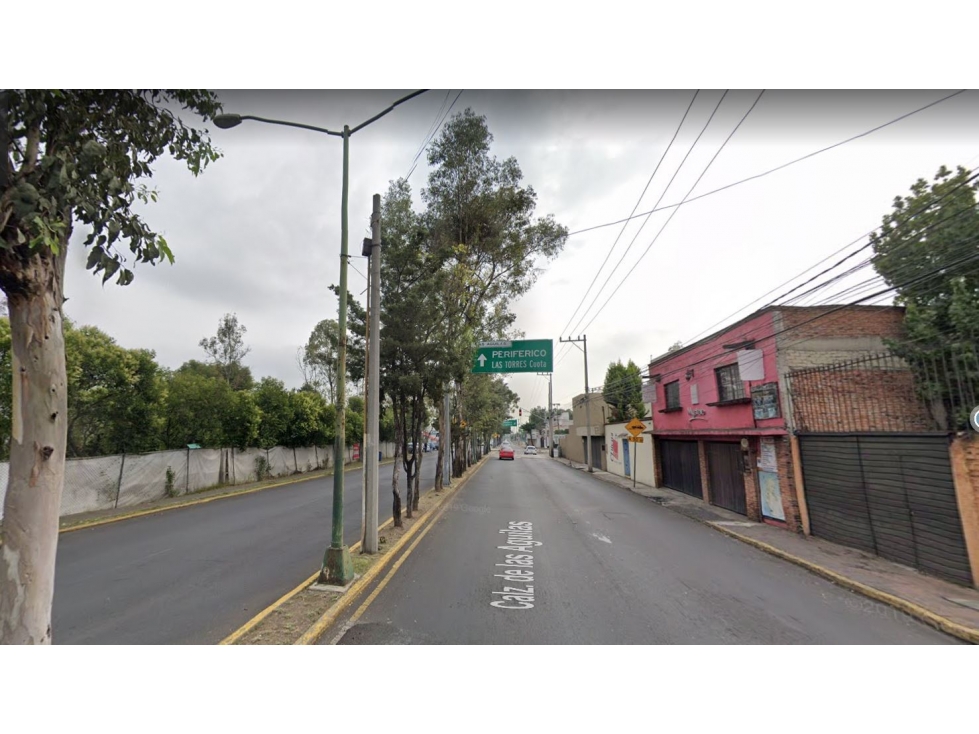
(766, 454)
(764, 401)
(771, 496)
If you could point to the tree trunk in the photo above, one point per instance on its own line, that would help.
(396, 473)
(418, 473)
(443, 418)
(39, 431)
(409, 471)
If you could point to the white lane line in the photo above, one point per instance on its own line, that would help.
(601, 538)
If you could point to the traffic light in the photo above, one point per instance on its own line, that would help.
(520, 412)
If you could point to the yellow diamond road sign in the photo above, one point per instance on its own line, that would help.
(635, 427)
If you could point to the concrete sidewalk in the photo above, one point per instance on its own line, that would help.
(951, 608)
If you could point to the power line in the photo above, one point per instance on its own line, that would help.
(672, 179)
(935, 272)
(434, 133)
(938, 271)
(673, 213)
(908, 217)
(777, 168)
(638, 202)
(431, 128)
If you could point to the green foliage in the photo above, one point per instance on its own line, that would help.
(622, 390)
(196, 410)
(924, 248)
(227, 352)
(241, 421)
(319, 359)
(275, 404)
(114, 395)
(313, 420)
(263, 470)
(81, 155)
(170, 489)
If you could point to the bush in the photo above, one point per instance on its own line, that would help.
(262, 469)
(171, 476)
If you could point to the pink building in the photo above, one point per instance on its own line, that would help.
(722, 415)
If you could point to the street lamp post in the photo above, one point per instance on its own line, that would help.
(337, 568)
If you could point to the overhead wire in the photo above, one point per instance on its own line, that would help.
(433, 134)
(938, 271)
(673, 213)
(907, 218)
(670, 183)
(777, 168)
(638, 202)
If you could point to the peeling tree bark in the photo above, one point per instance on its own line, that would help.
(37, 449)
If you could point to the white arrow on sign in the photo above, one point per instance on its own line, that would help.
(482, 360)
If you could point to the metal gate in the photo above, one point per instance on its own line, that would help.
(888, 494)
(725, 466)
(681, 466)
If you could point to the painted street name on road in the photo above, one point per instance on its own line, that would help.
(518, 568)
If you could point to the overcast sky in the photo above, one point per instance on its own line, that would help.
(258, 234)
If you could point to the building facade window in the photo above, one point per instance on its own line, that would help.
(729, 383)
(672, 395)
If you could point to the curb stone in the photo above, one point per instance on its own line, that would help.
(922, 614)
(313, 634)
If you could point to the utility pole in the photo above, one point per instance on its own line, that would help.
(550, 410)
(584, 339)
(337, 566)
(372, 436)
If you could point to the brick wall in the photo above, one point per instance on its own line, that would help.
(704, 471)
(854, 321)
(858, 399)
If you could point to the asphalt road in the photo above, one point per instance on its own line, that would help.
(196, 574)
(612, 568)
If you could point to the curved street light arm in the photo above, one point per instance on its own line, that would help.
(379, 115)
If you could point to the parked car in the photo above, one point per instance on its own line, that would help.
(531, 450)
(506, 452)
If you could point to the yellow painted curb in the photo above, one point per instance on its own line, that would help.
(384, 582)
(201, 501)
(311, 635)
(254, 621)
(967, 634)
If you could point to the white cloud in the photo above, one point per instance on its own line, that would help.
(258, 233)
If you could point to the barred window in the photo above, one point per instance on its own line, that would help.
(729, 383)
(672, 395)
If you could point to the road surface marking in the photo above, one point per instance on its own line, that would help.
(601, 538)
(518, 568)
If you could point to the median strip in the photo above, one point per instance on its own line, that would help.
(303, 615)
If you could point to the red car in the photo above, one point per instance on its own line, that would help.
(506, 452)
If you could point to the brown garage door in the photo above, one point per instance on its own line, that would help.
(726, 468)
(681, 466)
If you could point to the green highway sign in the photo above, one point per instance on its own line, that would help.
(510, 422)
(530, 355)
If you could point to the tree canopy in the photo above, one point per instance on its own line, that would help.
(926, 248)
